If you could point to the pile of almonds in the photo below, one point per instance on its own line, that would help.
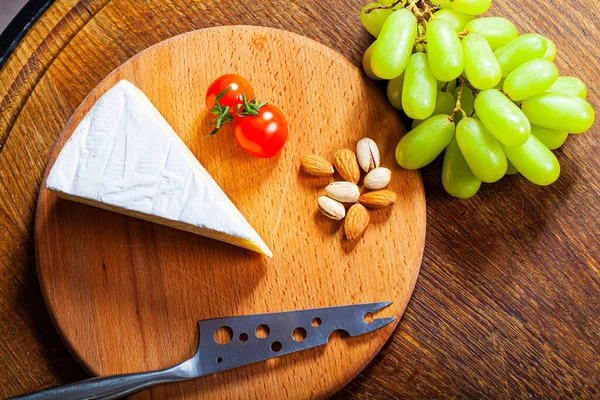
(347, 192)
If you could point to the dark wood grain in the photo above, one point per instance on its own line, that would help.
(507, 303)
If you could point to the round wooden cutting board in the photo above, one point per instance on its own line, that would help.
(125, 294)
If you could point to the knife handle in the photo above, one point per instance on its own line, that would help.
(111, 387)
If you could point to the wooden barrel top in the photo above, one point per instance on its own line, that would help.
(507, 301)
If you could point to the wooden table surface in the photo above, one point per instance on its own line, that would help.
(507, 302)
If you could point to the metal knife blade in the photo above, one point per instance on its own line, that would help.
(288, 332)
(316, 325)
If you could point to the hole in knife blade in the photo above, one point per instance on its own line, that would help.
(299, 334)
(276, 347)
(316, 322)
(338, 334)
(243, 337)
(223, 335)
(368, 317)
(262, 331)
(219, 360)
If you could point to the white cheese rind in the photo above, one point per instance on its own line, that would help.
(124, 156)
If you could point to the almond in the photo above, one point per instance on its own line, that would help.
(367, 153)
(347, 165)
(357, 220)
(331, 208)
(316, 166)
(345, 192)
(378, 178)
(378, 199)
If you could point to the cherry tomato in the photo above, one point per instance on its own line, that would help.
(237, 86)
(263, 135)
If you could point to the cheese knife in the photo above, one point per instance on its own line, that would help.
(252, 338)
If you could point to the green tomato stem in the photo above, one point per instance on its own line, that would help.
(250, 107)
(223, 114)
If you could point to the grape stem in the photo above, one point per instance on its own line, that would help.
(464, 33)
(427, 9)
(465, 82)
(458, 103)
(420, 40)
(419, 12)
(430, 11)
(384, 7)
(422, 11)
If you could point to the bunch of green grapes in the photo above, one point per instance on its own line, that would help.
(490, 97)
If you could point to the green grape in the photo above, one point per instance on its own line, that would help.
(467, 100)
(416, 122)
(520, 50)
(550, 54)
(471, 7)
(559, 111)
(444, 103)
(551, 139)
(530, 78)
(374, 20)
(500, 84)
(481, 150)
(450, 86)
(534, 161)
(481, 67)
(511, 170)
(366, 63)
(443, 4)
(497, 31)
(420, 88)
(444, 51)
(423, 144)
(502, 118)
(569, 85)
(394, 45)
(454, 18)
(394, 91)
(457, 178)
(420, 47)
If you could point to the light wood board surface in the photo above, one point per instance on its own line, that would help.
(125, 294)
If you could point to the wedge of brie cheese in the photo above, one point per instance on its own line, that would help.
(125, 157)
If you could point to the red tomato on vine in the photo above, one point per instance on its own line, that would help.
(224, 95)
(260, 128)
(264, 134)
